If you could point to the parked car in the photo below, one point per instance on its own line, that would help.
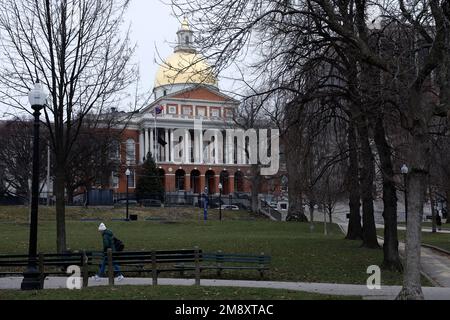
(130, 202)
(230, 208)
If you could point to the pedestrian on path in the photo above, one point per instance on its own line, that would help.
(108, 243)
(439, 220)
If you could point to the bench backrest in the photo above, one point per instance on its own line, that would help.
(236, 258)
(14, 261)
(148, 257)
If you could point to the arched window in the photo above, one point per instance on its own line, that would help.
(195, 182)
(131, 151)
(180, 178)
(239, 182)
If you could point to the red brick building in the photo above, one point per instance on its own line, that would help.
(186, 95)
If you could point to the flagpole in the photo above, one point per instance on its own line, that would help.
(156, 140)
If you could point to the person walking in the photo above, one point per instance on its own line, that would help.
(439, 220)
(108, 243)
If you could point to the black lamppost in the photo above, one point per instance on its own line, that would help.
(405, 171)
(220, 200)
(32, 279)
(128, 174)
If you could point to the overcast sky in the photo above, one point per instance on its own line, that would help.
(153, 30)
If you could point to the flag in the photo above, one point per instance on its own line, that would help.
(161, 141)
(159, 110)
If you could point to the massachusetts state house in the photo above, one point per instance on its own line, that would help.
(186, 92)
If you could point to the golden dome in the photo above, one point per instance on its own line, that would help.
(185, 68)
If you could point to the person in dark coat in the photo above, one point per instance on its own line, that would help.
(108, 243)
(439, 221)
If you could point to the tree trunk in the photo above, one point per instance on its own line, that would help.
(448, 205)
(255, 182)
(70, 195)
(61, 245)
(296, 210)
(417, 186)
(370, 239)
(354, 227)
(391, 255)
(311, 212)
(330, 213)
(412, 287)
(433, 210)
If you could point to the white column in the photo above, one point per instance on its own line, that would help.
(172, 145)
(146, 143)
(229, 146)
(200, 146)
(216, 149)
(187, 144)
(244, 154)
(152, 143)
(141, 147)
(167, 147)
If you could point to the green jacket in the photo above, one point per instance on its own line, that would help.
(108, 241)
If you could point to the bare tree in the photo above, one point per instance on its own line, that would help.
(296, 36)
(16, 139)
(79, 51)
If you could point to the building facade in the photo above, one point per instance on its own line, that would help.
(187, 99)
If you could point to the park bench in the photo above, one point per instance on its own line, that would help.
(48, 264)
(154, 262)
(221, 261)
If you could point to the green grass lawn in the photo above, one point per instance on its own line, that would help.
(440, 240)
(20, 214)
(167, 293)
(298, 254)
(429, 225)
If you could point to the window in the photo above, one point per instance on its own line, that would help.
(114, 180)
(172, 110)
(229, 113)
(215, 113)
(187, 111)
(131, 151)
(201, 112)
(114, 151)
(132, 180)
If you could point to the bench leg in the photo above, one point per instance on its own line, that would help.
(110, 268)
(197, 266)
(154, 269)
(85, 271)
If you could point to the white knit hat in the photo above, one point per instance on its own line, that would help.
(102, 227)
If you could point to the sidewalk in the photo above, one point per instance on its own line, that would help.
(435, 265)
(386, 293)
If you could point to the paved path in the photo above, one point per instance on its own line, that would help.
(435, 265)
(386, 293)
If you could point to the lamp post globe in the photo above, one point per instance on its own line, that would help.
(37, 96)
(405, 169)
(128, 174)
(32, 278)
